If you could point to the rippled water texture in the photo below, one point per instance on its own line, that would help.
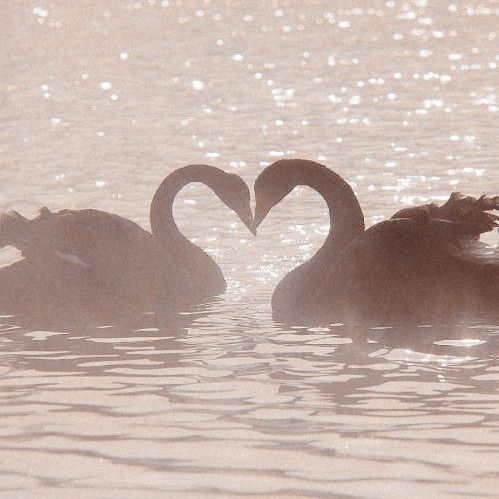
(100, 100)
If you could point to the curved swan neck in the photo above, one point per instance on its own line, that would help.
(347, 220)
(163, 225)
(302, 290)
(193, 268)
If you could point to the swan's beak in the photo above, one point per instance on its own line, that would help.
(247, 219)
(254, 226)
(259, 217)
(250, 225)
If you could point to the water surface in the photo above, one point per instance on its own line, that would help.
(99, 101)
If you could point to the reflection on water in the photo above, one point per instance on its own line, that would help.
(100, 100)
(212, 403)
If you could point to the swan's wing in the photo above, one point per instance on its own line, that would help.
(433, 249)
(92, 242)
(403, 265)
(473, 213)
(456, 226)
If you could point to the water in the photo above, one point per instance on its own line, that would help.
(99, 101)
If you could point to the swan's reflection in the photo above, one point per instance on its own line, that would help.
(93, 349)
(92, 340)
(388, 384)
(159, 397)
(36, 306)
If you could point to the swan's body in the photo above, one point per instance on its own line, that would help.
(415, 266)
(89, 255)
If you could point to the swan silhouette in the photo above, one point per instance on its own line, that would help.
(424, 263)
(90, 255)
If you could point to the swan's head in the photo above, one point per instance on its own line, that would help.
(271, 186)
(235, 193)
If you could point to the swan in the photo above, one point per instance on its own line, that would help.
(90, 255)
(424, 263)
